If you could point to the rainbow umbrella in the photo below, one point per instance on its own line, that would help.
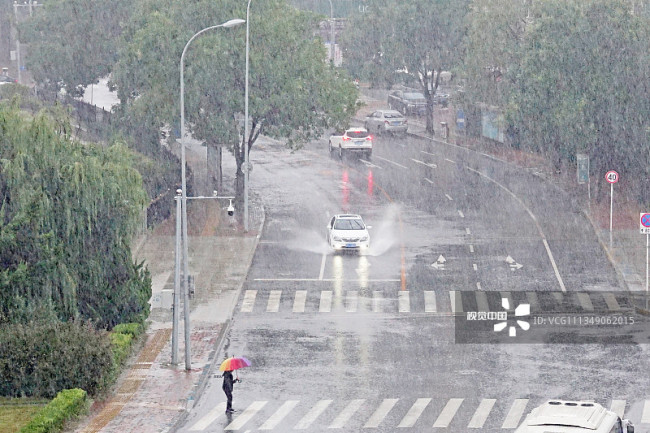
(234, 364)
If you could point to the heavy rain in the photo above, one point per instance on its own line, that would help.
(352, 215)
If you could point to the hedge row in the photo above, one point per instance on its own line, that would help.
(68, 404)
(40, 359)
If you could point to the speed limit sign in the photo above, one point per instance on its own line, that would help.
(611, 176)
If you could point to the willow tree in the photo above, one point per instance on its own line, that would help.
(67, 214)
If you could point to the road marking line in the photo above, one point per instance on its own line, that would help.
(461, 214)
(481, 301)
(322, 266)
(377, 301)
(645, 416)
(249, 301)
(428, 153)
(209, 417)
(532, 300)
(369, 164)
(515, 413)
(380, 413)
(391, 162)
(475, 266)
(482, 412)
(404, 301)
(430, 301)
(478, 285)
(299, 301)
(246, 415)
(325, 301)
(467, 231)
(585, 301)
(427, 164)
(471, 248)
(273, 306)
(313, 413)
(456, 302)
(352, 300)
(618, 407)
(428, 180)
(329, 280)
(448, 412)
(279, 415)
(449, 160)
(414, 412)
(610, 300)
(346, 414)
(449, 197)
(534, 218)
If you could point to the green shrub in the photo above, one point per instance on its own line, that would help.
(121, 346)
(68, 404)
(133, 329)
(40, 359)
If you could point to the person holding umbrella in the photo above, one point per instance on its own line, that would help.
(227, 367)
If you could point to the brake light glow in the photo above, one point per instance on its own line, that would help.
(369, 137)
(345, 138)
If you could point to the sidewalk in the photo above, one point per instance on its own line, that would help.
(152, 395)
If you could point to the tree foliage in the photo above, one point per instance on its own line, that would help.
(67, 214)
(420, 37)
(293, 93)
(72, 43)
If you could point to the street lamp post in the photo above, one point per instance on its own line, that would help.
(186, 277)
(332, 43)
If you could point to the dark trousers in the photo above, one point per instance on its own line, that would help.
(229, 396)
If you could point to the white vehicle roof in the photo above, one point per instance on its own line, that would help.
(349, 216)
(560, 416)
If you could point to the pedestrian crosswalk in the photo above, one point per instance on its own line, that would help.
(451, 302)
(415, 413)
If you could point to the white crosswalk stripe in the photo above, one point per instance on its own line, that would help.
(279, 415)
(482, 413)
(353, 301)
(325, 305)
(209, 417)
(345, 415)
(414, 413)
(516, 412)
(404, 301)
(448, 413)
(358, 410)
(618, 407)
(430, 301)
(380, 413)
(273, 306)
(313, 413)
(246, 415)
(249, 301)
(299, 301)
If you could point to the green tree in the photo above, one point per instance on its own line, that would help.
(72, 43)
(294, 93)
(67, 214)
(421, 37)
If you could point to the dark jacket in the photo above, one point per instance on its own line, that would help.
(227, 381)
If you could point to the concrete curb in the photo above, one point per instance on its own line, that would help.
(211, 365)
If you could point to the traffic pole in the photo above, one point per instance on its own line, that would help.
(611, 212)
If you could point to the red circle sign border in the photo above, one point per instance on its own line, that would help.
(611, 172)
(642, 216)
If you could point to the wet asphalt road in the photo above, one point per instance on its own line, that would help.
(346, 342)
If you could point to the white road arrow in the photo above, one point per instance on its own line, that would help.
(513, 264)
(440, 263)
(438, 266)
(441, 259)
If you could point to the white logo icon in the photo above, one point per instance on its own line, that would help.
(521, 310)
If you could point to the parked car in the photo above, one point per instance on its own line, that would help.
(386, 121)
(351, 140)
(5, 79)
(441, 98)
(348, 232)
(409, 103)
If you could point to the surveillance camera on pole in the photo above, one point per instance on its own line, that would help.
(231, 209)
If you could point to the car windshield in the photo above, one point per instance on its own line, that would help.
(348, 224)
(413, 96)
(357, 134)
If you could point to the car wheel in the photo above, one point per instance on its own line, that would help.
(340, 152)
(379, 131)
(331, 148)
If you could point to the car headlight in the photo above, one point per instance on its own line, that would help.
(337, 238)
(365, 238)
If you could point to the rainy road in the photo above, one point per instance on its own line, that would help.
(366, 343)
